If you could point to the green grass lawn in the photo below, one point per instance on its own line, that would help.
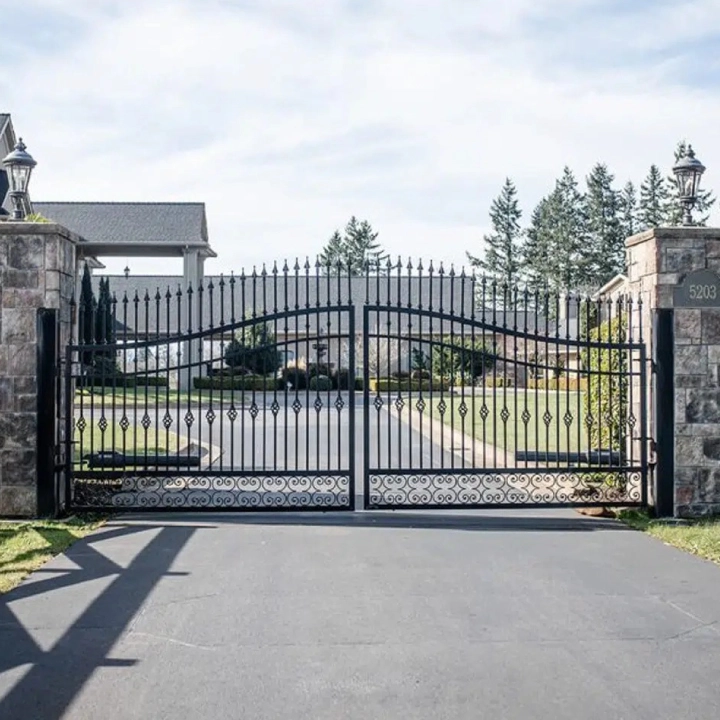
(136, 440)
(565, 431)
(25, 546)
(161, 396)
(700, 537)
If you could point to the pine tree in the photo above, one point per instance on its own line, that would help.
(654, 196)
(355, 251)
(628, 210)
(568, 263)
(605, 254)
(332, 256)
(502, 257)
(87, 314)
(536, 247)
(673, 208)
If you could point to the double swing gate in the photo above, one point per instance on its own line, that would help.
(305, 388)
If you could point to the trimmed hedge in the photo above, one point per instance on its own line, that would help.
(237, 382)
(123, 381)
(408, 385)
(572, 384)
(321, 382)
(498, 382)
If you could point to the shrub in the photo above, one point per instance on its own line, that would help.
(401, 374)
(606, 399)
(420, 374)
(295, 377)
(498, 382)
(320, 382)
(408, 385)
(238, 382)
(359, 384)
(318, 369)
(341, 379)
(566, 383)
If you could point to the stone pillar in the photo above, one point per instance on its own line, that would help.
(658, 261)
(37, 269)
(193, 272)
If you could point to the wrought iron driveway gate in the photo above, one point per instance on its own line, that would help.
(241, 394)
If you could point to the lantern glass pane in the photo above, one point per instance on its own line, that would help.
(18, 175)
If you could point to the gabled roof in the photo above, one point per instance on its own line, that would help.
(137, 228)
(617, 283)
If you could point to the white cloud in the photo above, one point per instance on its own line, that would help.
(286, 117)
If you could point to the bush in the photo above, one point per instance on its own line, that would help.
(393, 385)
(566, 383)
(318, 369)
(401, 374)
(341, 379)
(420, 374)
(321, 382)
(238, 382)
(294, 376)
(359, 384)
(498, 382)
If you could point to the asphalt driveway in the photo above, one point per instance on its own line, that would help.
(370, 615)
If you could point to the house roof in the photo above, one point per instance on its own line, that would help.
(611, 286)
(133, 228)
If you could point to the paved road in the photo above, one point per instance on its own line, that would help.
(372, 615)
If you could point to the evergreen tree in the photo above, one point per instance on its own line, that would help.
(503, 249)
(605, 254)
(628, 210)
(536, 247)
(674, 210)
(654, 196)
(565, 228)
(355, 251)
(87, 315)
(332, 256)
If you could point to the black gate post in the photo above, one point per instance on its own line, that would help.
(46, 394)
(664, 365)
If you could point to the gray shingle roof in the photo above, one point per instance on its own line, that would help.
(117, 223)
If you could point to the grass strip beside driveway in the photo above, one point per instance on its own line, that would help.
(700, 537)
(25, 546)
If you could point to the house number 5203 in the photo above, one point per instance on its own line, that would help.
(703, 292)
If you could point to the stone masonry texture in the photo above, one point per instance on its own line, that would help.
(657, 261)
(37, 270)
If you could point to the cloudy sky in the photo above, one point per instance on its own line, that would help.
(287, 116)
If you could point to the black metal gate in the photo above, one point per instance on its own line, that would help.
(511, 398)
(241, 394)
(238, 394)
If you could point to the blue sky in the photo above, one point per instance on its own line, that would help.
(287, 116)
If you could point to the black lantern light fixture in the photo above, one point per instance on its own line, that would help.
(688, 170)
(19, 165)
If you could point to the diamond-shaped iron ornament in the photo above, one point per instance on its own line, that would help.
(124, 423)
(339, 403)
(210, 416)
(525, 417)
(81, 424)
(463, 409)
(631, 421)
(504, 414)
(547, 417)
(254, 410)
(484, 412)
(167, 421)
(378, 403)
(189, 418)
(442, 407)
(318, 404)
(568, 418)
(297, 406)
(275, 407)
(103, 424)
(232, 413)
(589, 420)
(420, 405)
(399, 404)
(146, 422)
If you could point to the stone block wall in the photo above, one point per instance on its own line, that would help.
(658, 260)
(37, 269)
